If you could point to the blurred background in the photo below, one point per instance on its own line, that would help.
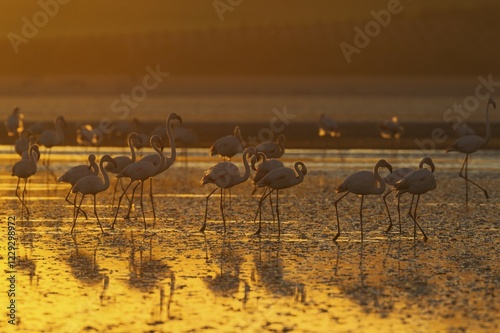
(235, 63)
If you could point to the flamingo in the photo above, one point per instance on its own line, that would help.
(328, 127)
(15, 122)
(391, 128)
(73, 175)
(140, 171)
(396, 176)
(92, 184)
(228, 145)
(273, 149)
(25, 169)
(121, 162)
(156, 159)
(469, 144)
(362, 183)
(417, 182)
(51, 138)
(225, 175)
(279, 179)
(266, 166)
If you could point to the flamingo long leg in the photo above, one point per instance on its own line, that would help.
(73, 203)
(95, 212)
(260, 211)
(151, 196)
(119, 202)
(132, 200)
(387, 208)
(278, 213)
(467, 180)
(361, 216)
(337, 213)
(415, 219)
(142, 206)
(206, 209)
(76, 215)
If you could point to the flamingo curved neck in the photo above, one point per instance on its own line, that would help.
(132, 149)
(380, 180)
(161, 165)
(171, 140)
(104, 173)
(247, 168)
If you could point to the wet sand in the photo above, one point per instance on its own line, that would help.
(172, 278)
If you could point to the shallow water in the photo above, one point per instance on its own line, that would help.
(172, 278)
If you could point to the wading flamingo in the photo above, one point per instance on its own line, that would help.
(73, 175)
(25, 169)
(469, 144)
(396, 176)
(184, 137)
(225, 175)
(273, 149)
(92, 185)
(262, 169)
(228, 145)
(50, 138)
(122, 162)
(156, 159)
(417, 182)
(279, 179)
(362, 183)
(141, 171)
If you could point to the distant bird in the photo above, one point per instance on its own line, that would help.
(51, 138)
(328, 127)
(391, 128)
(86, 135)
(225, 175)
(73, 175)
(92, 185)
(25, 169)
(139, 172)
(396, 176)
(273, 149)
(121, 162)
(469, 144)
(279, 179)
(229, 145)
(417, 182)
(14, 123)
(362, 183)
(25, 155)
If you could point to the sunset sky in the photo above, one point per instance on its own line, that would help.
(283, 37)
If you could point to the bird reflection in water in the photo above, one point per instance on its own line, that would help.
(226, 282)
(270, 274)
(148, 273)
(84, 265)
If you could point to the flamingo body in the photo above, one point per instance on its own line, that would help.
(229, 145)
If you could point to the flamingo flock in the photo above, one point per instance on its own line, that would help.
(263, 160)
